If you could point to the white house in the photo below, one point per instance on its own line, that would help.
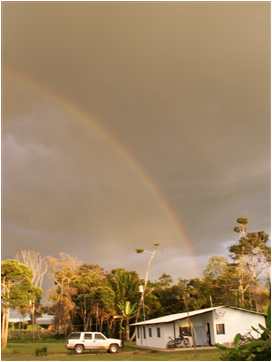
(44, 320)
(208, 326)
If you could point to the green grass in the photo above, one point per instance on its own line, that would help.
(18, 351)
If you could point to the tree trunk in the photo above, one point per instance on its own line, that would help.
(121, 329)
(127, 330)
(241, 294)
(101, 324)
(5, 322)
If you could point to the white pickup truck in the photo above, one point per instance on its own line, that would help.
(80, 341)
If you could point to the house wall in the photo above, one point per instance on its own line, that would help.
(172, 329)
(235, 322)
(166, 329)
(200, 328)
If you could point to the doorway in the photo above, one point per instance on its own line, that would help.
(209, 334)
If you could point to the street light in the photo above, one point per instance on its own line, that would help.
(142, 288)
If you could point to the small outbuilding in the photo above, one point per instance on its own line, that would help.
(17, 318)
(203, 327)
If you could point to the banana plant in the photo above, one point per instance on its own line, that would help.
(127, 311)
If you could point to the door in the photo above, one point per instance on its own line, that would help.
(209, 334)
(88, 340)
(200, 335)
(99, 341)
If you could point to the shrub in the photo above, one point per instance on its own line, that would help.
(41, 351)
(248, 348)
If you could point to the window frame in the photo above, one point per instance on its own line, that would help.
(87, 334)
(144, 331)
(218, 327)
(150, 332)
(158, 332)
(187, 330)
(78, 333)
(99, 334)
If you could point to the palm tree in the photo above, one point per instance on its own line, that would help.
(125, 285)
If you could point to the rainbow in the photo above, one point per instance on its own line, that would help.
(123, 152)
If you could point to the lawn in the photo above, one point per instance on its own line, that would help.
(56, 351)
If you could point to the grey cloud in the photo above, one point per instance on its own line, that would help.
(182, 87)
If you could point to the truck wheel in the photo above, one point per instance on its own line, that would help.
(113, 348)
(79, 348)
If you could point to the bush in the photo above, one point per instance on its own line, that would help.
(41, 351)
(248, 348)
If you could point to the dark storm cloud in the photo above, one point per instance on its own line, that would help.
(183, 87)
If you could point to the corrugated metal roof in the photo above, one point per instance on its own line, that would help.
(45, 319)
(16, 316)
(174, 317)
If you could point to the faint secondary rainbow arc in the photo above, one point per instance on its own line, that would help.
(118, 147)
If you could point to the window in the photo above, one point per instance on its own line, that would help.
(158, 332)
(150, 332)
(138, 332)
(74, 336)
(185, 331)
(88, 336)
(144, 332)
(220, 328)
(99, 336)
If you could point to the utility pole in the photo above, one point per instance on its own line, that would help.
(211, 301)
(142, 288)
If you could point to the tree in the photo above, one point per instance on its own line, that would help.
(17, 291)
(94, 299)
(36, 263)
(125, 285)
(165, 281)
(251, 258)
(216, 267)
(221, 282)
(39, 267)
(127, 311)
(63, 271)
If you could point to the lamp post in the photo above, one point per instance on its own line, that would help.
(142, 288)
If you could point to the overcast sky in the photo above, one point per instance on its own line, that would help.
(126, 123)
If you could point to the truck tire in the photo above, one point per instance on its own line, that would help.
(113, 348)
(79, 348)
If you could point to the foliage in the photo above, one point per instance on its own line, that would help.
(251, 261)
(127, 312)
(94, 299)
(41, 351)
(17, 291)
(16, 283)
(216, 267)
(248, 348)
